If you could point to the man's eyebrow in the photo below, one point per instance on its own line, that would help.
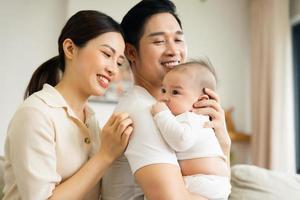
(162, 33)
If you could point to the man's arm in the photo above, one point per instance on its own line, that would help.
(163, 181)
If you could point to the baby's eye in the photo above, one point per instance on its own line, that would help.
(175, 92)
(163, 90)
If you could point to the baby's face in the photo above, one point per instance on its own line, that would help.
(178, 92)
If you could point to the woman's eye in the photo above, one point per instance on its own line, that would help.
(119, 64)
(163, 90)
(175, 92)
(178, 40)
(106, 54)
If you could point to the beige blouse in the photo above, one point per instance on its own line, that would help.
(45, 145)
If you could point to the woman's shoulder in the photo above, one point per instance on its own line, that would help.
(32, 109)
(33, 102)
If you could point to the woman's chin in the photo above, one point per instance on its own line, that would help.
(99, 91)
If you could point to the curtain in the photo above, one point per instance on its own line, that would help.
(273, 143)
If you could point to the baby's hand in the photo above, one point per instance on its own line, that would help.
(158, 107)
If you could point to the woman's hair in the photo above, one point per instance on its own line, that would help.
(80, 28)
(135, 19)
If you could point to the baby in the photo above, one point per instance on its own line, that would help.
(200, 156)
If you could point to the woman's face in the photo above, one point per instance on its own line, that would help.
(161, 47)
(98, 61)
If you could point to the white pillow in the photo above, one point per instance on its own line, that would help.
(254, 183)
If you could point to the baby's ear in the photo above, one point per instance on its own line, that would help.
(203, 97)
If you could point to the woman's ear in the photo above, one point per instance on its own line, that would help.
(69, 48)
(130, 52)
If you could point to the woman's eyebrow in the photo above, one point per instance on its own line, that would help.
(113, 50)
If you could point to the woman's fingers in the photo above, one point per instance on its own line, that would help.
(123, 126)
(119, 118)
(111, 119)
(115, 135)
(126, 135)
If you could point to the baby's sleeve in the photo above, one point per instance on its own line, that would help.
(178, 134)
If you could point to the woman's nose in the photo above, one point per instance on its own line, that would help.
(111, 70)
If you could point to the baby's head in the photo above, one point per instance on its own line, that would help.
(183, 85)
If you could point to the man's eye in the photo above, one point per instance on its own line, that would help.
(163, 90)
(159, 42)
(175, 92)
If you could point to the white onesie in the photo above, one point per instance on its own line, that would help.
(186, 135)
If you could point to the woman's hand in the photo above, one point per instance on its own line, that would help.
(212, 108)
(115, 135)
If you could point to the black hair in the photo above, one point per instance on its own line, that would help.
(135, 19)
(80, 28)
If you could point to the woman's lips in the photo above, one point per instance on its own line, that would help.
(103, 80)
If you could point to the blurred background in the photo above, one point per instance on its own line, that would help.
(239, 36)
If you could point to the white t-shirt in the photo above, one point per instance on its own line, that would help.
(45, 145)
(146, 147)
(186, 135)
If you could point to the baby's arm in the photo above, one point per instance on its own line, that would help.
(178, 135)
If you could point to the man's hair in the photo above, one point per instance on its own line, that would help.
(134, 21)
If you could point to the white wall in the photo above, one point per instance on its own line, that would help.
(30, 28)
(221, 31)
(28, 35)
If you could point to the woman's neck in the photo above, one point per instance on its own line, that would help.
(75, 99)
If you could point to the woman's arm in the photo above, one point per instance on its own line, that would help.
(32, 153)
(213, 108)
(114, 139)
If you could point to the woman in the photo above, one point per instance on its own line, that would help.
(154, 44)
(53, 149)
